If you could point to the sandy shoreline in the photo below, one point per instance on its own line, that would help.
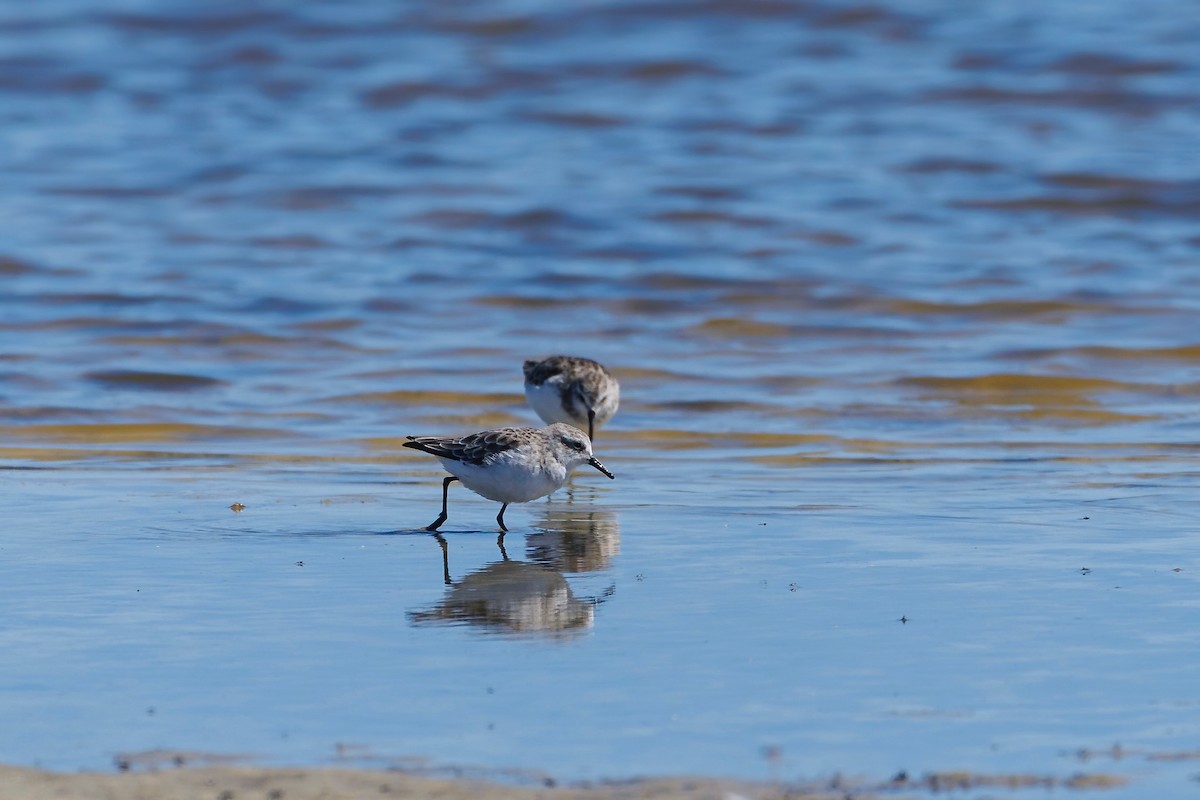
(341, 783)
(336, 783)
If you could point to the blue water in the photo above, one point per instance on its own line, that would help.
(902, 298)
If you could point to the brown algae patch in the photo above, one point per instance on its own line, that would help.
(651, 375)
(712, 218)
(240, 345)
(109, 433)
(1187, 352)
(524, 301)
(700, 440)
(937, 164)
(732, 328)
(712, 407)
(997, 309)
(155, 381)
(1014, 389)
(415, 397)
(1080, 416)
(480, 421)
(1059, 398)
(580, 119)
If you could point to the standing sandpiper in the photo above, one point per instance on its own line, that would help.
(509, 465)
(577, 391)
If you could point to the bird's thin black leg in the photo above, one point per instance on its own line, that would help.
(437, 523)
(591, 420)
(500, 517)
(445, 559)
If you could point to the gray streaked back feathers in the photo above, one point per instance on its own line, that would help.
(475, 448)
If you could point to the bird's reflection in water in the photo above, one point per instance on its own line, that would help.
(510, 596)
(575, 539)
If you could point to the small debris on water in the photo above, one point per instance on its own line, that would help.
(237, 508)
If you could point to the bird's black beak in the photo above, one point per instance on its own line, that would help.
(595, 462)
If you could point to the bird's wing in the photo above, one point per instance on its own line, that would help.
(538, 372)
(477, 448)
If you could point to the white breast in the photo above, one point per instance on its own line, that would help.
(509, 478)
(546, 401)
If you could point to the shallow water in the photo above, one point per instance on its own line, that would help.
(902, 299)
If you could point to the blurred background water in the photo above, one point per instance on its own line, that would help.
(902, 296)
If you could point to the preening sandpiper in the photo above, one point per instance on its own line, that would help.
(509, 465)
(577, 391)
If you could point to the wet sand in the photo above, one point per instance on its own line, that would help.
(326, 783)
(231, 783)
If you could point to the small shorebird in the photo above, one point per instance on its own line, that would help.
(577, 391)
(509, 465)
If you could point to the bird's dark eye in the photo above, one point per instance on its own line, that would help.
(574, 444)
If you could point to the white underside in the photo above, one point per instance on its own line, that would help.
(508, 478)
(546, 401)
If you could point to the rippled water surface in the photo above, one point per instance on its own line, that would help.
(902, 296)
